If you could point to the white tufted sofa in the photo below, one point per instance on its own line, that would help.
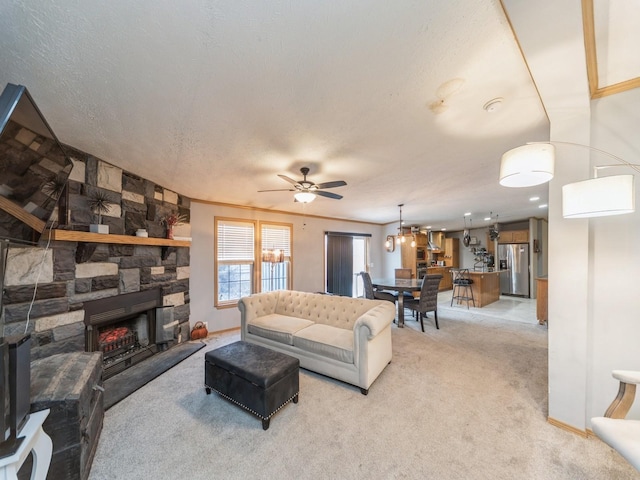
(345, 338)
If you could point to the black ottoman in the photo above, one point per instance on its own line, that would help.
(254, 377)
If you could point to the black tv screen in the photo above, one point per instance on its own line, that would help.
(34, 168)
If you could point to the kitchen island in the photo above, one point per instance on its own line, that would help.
(485, 287)
(446, 282)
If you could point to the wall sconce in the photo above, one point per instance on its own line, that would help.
(390, 244)
(533, 164)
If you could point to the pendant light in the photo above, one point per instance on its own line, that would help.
(466, 237)
(400, 238)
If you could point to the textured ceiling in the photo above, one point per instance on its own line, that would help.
(215, 98)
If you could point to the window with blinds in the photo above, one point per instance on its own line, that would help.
(276, 256)
(235, 260)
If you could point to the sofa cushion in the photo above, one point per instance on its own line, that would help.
(325, 340)
(277, 327)
(334, 310)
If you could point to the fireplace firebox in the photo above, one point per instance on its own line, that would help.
(127, 329)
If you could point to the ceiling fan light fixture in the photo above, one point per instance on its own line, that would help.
(305, 197)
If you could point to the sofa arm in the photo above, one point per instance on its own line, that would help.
(376, 319)
(256, 305)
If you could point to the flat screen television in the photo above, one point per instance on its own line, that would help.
(34, 167)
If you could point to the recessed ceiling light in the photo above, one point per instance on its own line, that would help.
(493, 105)
(467, 214)
(443, 229)
(486, 219)
(533, 199)
(544, 205)
(428, 227)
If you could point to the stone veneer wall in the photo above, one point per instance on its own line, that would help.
(68, 274)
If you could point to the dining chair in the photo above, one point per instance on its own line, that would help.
(428, 300)
(614, 429)
(372, 293)
(403, 273)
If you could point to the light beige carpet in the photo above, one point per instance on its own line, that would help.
(468, 401)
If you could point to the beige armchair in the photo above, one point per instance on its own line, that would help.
(619, 433)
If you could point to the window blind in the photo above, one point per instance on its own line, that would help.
(235, 241)
(277, 237)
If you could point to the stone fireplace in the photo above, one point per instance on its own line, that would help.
(53, 288)
(128, 329)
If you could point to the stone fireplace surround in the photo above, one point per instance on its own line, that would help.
(69, 273)
(47, 286)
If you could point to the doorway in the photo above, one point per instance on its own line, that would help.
(346, 256)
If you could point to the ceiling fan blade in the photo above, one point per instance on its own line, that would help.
(337, 183)
(328, 195)
(290, 180)
(279, 190)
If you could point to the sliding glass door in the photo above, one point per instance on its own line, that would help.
(346, 256)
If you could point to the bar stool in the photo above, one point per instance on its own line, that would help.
(462, 290)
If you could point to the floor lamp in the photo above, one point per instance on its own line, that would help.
(533, 164)
(272, 256)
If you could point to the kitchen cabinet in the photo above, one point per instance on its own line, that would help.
(408, 257)
(514, 236)
(421, 240)
(409, 254)
(451, 252)
(521, 236)
(542, 300)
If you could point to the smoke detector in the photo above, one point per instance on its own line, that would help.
(493, 105)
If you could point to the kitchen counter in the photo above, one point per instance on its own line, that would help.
(485, 287)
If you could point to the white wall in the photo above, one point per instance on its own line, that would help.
(593, 300)
(308, 256)
(614, 259)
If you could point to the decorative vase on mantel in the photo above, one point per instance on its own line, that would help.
(99, 204)
(98, 228)
(172, 221)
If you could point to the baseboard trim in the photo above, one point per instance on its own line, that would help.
(568, 428)
(226, 330)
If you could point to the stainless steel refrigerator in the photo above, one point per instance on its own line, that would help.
(515, 258)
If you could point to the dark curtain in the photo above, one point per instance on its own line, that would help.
(340, 265)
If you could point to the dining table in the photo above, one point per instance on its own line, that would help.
(399, 285)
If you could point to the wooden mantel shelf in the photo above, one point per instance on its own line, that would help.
(73, 236)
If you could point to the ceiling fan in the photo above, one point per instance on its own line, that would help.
(306, 190)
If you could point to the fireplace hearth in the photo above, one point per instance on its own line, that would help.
(127, 329)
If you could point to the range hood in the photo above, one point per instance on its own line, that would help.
(430, 244)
